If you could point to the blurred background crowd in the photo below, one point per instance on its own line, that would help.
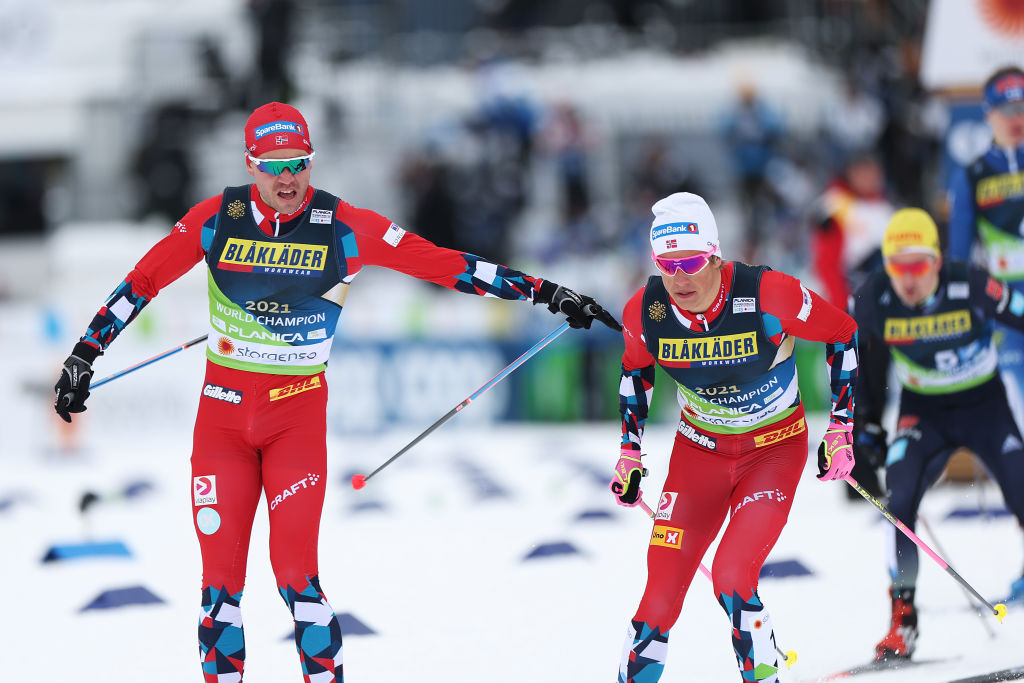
(534, 133)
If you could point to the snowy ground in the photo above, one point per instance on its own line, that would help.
(430, 556)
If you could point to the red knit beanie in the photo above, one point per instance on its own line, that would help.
(276, 126)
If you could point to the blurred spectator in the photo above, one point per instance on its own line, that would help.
(493, 190)
(273, 19)
(434, 214)
(226, 93)
(752, 130)
(22, 195)
(652, 171)
(910, 144)
(849, 223)
(855, 121)
(795, 185)
(566, 139)
(658, 173)
(162, 163)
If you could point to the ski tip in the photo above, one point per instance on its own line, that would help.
(1000, 611)
(790, 658)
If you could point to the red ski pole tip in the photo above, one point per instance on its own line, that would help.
(358, 481)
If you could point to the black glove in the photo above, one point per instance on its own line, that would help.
(580, 310)
(870, 442)
(72, 387)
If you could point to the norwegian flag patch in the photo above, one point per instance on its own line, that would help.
(394, 234)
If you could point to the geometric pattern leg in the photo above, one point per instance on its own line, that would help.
(221, 639)
(317, 632)
(643, 654)
(753, 638)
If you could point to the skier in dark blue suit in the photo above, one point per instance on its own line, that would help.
(934, 321)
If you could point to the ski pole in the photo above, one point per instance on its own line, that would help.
(789, 656)
(359, 480)
(938, 546)
(144, 363)
(998, 610)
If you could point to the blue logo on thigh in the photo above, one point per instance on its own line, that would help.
(208, 520)
(897, 450)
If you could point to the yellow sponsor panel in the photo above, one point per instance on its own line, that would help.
(769, 438)
(667, 536)
(250, 254)
(927, 326)
(725, 347)
(998, 188)
(297, 388)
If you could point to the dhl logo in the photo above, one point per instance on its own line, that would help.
(297, 388)
(906, 330)
(798, 427)
(667, 536)
(252, 256)
(727, 349)
(998, 188)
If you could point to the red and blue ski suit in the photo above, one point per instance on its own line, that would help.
(740, 445)
(277, 285)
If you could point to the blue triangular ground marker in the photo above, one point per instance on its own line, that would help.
(784, 569)
(350, 626)
(552, 549)
(967, 513)
(598, 476)
(137, 488)
(9, 500)
(367, 506)
(76, 551)
(123, 597)
(481, 483)
(346, 478)
(588, 515)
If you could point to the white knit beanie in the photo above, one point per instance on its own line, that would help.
(683, 222)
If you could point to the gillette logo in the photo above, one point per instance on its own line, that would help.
(687, 430)
(681, 228)
(276, 127)
(222, 394)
